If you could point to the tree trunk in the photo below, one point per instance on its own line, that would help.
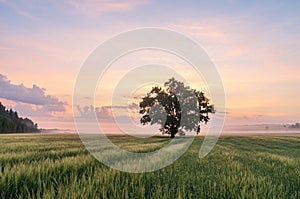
(173, 133)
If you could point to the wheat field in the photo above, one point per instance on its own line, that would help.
(59, 166)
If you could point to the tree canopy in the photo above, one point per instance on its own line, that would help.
(10, 122)
(175, 108)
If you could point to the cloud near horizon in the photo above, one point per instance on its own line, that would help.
(105, 112)
(31, 96)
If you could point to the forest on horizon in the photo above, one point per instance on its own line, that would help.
(10, 122)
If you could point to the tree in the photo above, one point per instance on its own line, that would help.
(10, 122)
(6, 124)
(176, 107)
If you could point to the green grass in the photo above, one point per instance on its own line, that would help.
(58, 166)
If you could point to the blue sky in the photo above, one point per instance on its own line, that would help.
(254, 45)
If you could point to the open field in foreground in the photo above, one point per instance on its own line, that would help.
(58, 166)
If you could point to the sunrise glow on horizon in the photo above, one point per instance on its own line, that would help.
(254, 46)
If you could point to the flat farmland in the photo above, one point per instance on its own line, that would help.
(59, 166)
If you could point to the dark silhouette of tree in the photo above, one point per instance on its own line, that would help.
(10, 122)
(175, 107)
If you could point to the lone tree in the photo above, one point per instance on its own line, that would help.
(177, 107)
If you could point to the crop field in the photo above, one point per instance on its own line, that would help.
(59, 166)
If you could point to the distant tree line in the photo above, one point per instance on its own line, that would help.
(295, 126)
(10, 122)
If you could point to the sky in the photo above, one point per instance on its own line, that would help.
(253, 44)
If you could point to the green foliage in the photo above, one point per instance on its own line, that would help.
(7, 125)
(10, 122)
(176, 107)
(59, 166)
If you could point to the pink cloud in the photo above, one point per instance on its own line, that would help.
(3, 47)
(207, 31)
(259, 67)
(99, 6)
